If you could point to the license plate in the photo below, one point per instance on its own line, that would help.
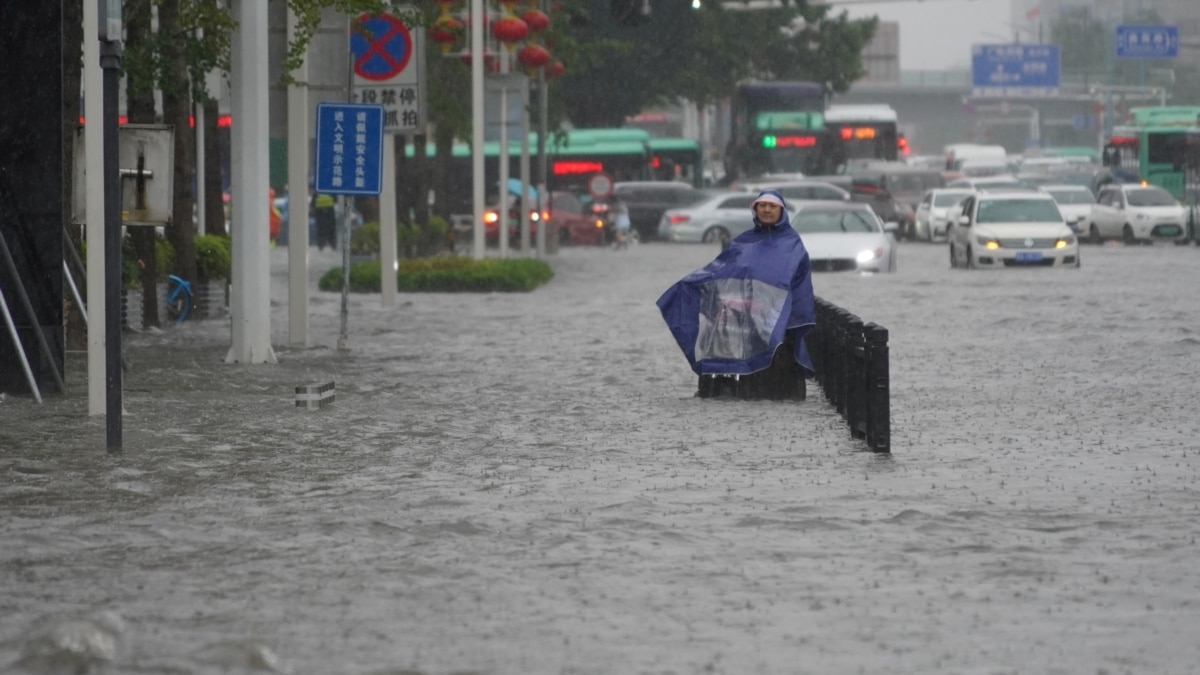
(1167, 230)
(1029, 256)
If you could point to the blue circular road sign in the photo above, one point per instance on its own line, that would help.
(381, 46)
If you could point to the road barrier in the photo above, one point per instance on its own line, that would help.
(851, 360)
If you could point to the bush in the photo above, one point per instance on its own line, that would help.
(214, 257)
(446, 274)
(411, 240)
(365, 239)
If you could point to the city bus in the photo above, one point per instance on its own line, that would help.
(679, 159)
(863, 132)
(1152, 146)
(777, 127)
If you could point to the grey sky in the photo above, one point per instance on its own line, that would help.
(938, 34)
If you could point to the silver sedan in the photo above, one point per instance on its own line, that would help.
(717, 219)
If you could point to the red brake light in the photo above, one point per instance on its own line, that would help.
(678, 218)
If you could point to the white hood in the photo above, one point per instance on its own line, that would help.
(1022, 230)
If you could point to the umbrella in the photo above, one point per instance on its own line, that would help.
(514, 188)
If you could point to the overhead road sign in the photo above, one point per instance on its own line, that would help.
(349, 149)
(1147, 42)
(389, 64)
(1015, 71)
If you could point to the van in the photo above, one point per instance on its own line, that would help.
(957, 153)
(893, 190)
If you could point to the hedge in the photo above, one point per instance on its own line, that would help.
(446, 274)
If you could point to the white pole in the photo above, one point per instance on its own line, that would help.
(297, 172)
(93, 139)
(503, 158)
(250, 297)
(526, 205)
(477, 181)
(387, 224)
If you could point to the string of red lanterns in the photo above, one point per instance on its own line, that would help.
(510, 30)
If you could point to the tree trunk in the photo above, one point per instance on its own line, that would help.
(72, 76)
(139, 108)
(177, 111)
(214, 198)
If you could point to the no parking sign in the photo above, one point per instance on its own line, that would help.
(389, 69)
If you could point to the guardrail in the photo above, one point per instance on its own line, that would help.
(851, 360)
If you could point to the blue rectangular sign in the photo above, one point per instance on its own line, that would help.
(349, 149)
(1014, 70)
(1147, 42)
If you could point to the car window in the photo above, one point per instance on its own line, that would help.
(1017, 211)
(1150, 196)
(565, 201)
(822, 192)
(927, 199)
(945, 199)
(736, 202)
(817, 222)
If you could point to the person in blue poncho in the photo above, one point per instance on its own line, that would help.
(741, 319)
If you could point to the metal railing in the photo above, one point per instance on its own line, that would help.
(851, 360)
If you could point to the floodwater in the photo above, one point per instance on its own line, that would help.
(525, 484)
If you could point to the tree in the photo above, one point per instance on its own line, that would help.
(701, 54)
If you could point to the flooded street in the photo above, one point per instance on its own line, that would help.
(524, 483)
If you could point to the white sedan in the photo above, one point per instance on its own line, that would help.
(1137, 213)
(845, 236)
(1012, 229)
(935, 210)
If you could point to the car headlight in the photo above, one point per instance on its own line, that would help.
(1063, 242)
(868, 255)
(1142, 216)
(988, 242)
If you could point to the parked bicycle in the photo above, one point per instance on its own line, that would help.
(179, 298)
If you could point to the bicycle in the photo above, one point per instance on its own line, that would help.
(179, 298)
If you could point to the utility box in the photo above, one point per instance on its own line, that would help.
(147, 165)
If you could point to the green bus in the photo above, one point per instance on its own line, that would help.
(573, 157)
(1152, 146)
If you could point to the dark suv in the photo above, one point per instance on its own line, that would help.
(893, 191)
(647, 200)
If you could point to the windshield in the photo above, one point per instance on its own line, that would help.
(1072, 196)
(1150, 196)
(949, 198)
(908, 183)
(1018, 211)
(815, 222)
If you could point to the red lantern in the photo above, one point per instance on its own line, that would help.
(536, 20)
(510, 30)
(555, 69)
(445, 31)
(533, 56)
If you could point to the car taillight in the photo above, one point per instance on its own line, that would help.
(490, 217)
(677, 219)
(545, 215)
(600, 223)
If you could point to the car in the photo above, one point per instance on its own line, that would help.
(893, 190)
(491, 224)
(648, 199)
(573, 219)
(1075, 202)
(717, 219)
(845, 236)
(802, 190)
(1137, 213)
(934, 212)
(1011, 229)
(1003, 181)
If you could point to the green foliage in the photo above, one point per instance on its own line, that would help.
(214, 257)
(446, 274)
(365, 239)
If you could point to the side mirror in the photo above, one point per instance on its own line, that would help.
(964, 220)
(891, 226)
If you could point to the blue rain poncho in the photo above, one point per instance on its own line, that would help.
(730, 316)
